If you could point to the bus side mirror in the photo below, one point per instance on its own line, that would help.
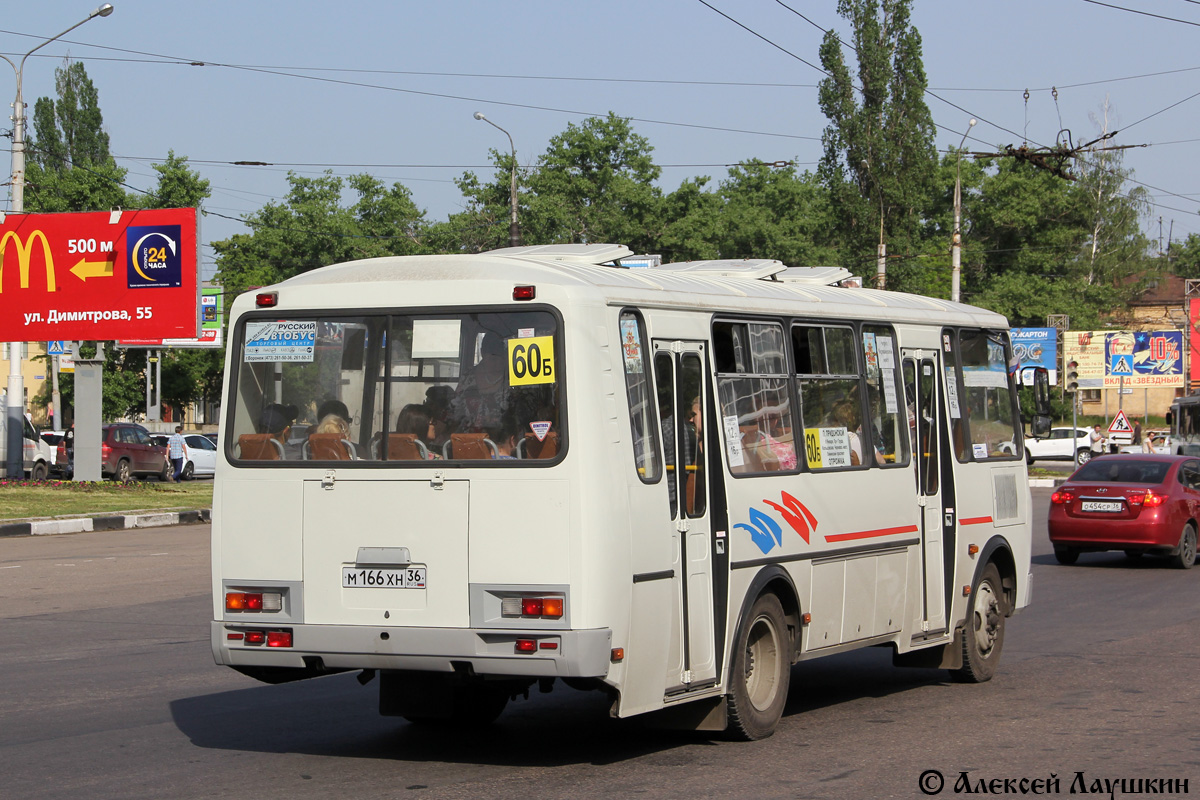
(1040, 425)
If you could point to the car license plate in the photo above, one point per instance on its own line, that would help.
(1101, 505)
(402, 578)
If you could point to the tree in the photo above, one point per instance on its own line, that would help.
(772, 212)
(311, 228)
(879, 157)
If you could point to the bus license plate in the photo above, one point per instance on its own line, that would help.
(405, 578)
(1101, 505)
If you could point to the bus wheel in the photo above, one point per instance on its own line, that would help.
(761, 671)
(983, 638)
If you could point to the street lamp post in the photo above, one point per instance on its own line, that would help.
(956, 240)
(881, 253)
(16, 382)
(514, 233)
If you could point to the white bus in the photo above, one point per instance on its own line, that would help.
(474, 473)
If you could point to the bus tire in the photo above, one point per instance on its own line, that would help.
(983, 636)
(760, 672)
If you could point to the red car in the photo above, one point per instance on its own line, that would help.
(1139, 503)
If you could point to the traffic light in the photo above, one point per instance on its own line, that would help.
(1072, 376)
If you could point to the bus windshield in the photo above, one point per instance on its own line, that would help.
(398, 387)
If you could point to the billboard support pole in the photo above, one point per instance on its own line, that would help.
(89, 411)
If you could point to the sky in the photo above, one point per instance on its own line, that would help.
(389, 88)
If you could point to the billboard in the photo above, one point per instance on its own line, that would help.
(1036, 347)
(99, 275)
(1141, 359)
(211, 319)
(1194, 340)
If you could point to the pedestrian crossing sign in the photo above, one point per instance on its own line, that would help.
(1121, 366)
(55, 348)
(1120, 424)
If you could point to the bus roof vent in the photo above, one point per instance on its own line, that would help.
(572, 253)
(748, 268)
(815, 276)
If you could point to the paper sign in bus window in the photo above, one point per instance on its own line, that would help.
(280, 340)
(531, 361)
(827, 448)
(436, 338)
(733, 441)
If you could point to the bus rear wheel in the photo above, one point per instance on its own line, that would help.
(761, 671)
(983, 636)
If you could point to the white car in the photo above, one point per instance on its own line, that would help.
(199, 454)
(1158, 441)
(1060, 445)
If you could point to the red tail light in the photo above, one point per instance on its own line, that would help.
(279, 638)
(1061, 498)
(105, 450)
(1153, 500)
(531, 606)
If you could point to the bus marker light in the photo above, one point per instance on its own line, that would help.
(256, 637)
(235, 601)
(272, 601)
(531, 606)
(266, 299)
(254, 601)
(234, 637)
(972, 549)
(548, 645)
(967, 591)
(552, 607)
(526, 645)
(806, 619)
(524, 292)
(279, 639)
(617, 654)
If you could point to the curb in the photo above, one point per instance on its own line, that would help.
(107, 522)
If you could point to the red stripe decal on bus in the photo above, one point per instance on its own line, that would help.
(974, 520)
(845, 537)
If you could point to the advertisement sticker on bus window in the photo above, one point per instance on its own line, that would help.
(526, 333)
(733, 441)
(980, 450)
(631, 346)
(280, 340)
(871, 355)
(540, 430)
(952, 393)
(435, 338)
(887, 356)
(531, 361)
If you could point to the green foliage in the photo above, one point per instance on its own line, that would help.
(311, 228)
(189, 375)
(879, 159)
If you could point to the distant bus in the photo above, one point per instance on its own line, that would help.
(471, 474)
(1184, 419)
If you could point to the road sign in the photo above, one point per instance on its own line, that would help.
(1120, 424)
(55, 348)
(1121, 365)
(99, 275)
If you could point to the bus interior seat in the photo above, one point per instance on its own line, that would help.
(406, 447)
(470, 446)
(530, 447)
(329, 447)
(259, 447)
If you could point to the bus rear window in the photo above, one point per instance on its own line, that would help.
(401, 387)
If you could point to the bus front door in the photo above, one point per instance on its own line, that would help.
(680, 377)
(921, 371)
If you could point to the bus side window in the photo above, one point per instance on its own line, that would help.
(827, 382)
(643, 421)
(887, 422)
(752, 389)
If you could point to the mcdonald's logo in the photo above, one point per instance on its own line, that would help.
(24, 250)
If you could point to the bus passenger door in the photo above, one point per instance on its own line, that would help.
(921, 371)
(680, 380)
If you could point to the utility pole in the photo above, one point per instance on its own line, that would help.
(514, 233)
(956, 239)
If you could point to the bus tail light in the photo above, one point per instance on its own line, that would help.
(256, 637)
(532, 607)
(279, 638)
(526, 645)
(524, 292)
(266, 299)
(253, 601)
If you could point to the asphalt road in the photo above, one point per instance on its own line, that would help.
(110, 692)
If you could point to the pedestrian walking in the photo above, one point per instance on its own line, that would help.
(175, 451)
(1097, 441)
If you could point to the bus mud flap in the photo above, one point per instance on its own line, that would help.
(708, 714)
(947, 656)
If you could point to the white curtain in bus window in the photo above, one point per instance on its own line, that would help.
(827, 380)
(752, 390)
(883, 406)
(642, 416)
(987, 396)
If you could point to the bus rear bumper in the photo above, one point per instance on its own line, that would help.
(557, 654)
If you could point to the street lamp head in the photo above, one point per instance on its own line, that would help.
(103, 11)
(971, 124)
(479, 115)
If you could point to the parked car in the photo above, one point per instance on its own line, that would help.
(127, 451)
(1139, 503)
(52, 438)
(199, 454)
(1059, 445)
(36, 453)
(1158, 441)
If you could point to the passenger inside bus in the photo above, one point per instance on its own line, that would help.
(482, 395)
(329, 439)
(504, 436)
(270, 443)
(414, 425)
(437, 401)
